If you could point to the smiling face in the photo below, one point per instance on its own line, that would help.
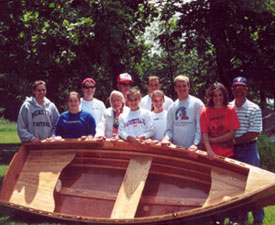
(153, 85)
(88, 90)
(182, 88)
(133, 101)
(218, 99)
(157, 101)
(40, 92)
(73, 103)
(239, 91)
(116, 102)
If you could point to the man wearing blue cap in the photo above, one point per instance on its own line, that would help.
(245, 146)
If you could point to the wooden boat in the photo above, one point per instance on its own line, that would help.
(106, 183)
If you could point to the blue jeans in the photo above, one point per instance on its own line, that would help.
(249, 154)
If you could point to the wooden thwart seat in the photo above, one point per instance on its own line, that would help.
(130, 192)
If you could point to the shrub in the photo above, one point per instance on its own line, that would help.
(267, 153)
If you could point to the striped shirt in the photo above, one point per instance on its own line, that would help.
(250, 117)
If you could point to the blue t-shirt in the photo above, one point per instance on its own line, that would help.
(71, 125)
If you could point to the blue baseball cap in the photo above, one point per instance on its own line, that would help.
(239, 81)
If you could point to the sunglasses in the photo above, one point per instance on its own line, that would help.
(88, 87)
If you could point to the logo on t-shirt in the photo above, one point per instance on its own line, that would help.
(134, 122)
(181, 114)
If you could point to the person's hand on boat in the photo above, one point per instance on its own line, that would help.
(210, 154)
(52, 139)
(114, 139)
(133, 140)
(100, 138)
(165, 142)
(36, 140)
(141, 138)
(150, 142)
(192, 151)
(193, 148)
(89, 137)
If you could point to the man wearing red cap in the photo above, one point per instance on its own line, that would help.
(124, 82)
(245, 146)
(88, 102)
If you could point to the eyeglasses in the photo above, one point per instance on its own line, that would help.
(88, 87)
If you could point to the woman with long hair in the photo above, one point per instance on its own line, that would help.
(218, 122)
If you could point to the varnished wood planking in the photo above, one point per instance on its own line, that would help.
(110, 196)
(13, 172)
(178, 174)
(92, 145)
(257, 179)
(131, 188)
(35, 185)
(159, 164)
(225, 185)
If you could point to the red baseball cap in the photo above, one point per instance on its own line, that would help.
(124, 78)
(88, 80)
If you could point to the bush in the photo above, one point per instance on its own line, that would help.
(267, 153)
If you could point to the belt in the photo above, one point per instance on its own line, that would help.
(245, 144)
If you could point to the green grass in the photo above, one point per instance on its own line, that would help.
(8, 132)
(9, 140)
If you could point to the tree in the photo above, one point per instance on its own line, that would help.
(239, 31)
(62, 42)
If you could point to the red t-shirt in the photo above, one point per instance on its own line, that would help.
(217, 122)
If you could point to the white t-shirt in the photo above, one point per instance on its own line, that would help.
(95, 107)
(160, 124)
(146, 102)
(136, 123)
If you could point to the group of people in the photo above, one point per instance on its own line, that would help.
(220, 127)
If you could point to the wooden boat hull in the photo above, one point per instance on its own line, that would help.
(106, 183)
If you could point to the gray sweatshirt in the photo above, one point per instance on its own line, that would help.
(36, 121)
(183, 122)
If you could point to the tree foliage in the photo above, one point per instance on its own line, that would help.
(65, 41)
(241, 32)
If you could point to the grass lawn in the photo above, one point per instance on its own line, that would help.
(8, 132)
(8, 216)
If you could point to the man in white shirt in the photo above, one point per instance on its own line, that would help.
(245, 140)
(153, 84)
(89, 103)
(183, 117)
